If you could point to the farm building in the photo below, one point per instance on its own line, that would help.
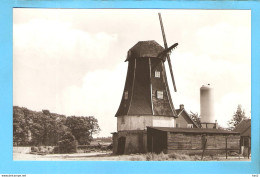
(244, 128)
(184, 120)
(191, 140)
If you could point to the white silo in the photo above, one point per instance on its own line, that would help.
(207, 104)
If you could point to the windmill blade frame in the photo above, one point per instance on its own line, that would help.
(168, 57)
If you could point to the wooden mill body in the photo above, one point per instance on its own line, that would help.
(146, 99)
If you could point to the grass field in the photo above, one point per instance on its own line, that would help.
(108, 156)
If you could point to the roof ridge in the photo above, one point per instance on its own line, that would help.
(241, 123)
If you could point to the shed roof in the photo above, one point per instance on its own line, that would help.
(145, 49)
(194, 130)
(244, 127)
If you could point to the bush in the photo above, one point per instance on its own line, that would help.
(138, 158)
(177, 156)
(149, 156)
(34, 149)
(43, 149)
(49, 149)
(157, 157)
(68, 143)
(233, 153)
(196, 157)
(56, 150)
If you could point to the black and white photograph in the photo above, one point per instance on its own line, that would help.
(131, 85)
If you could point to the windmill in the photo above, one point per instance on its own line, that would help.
(146, 99)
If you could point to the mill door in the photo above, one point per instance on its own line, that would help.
(121, 145)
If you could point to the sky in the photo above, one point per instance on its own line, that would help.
(71, 61)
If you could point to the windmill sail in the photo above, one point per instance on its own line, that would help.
(168, 57)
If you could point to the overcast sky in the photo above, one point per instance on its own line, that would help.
(71, 61)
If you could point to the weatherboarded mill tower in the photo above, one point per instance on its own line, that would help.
(146, 96)
(146, 99)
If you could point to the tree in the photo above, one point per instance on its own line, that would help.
(20, 127)
(94, 127)
(195, 117)
(68, 143)
(60, 128)
(83, 128)
(238, 116)
(46, 128)
(36, 128)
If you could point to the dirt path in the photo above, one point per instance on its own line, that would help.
(58, 157)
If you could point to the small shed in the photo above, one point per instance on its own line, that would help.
(244, 128)
(191, 140)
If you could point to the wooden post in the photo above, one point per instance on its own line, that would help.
(249, 147)
(152, 147)
(226, 149)
(167, 141)
(204, 147)
(152, 142)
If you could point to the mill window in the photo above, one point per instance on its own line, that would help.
(160, 94)
(178, 125)
(157, 74)
(126, 95)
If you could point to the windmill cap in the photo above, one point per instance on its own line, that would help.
(145, 49)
